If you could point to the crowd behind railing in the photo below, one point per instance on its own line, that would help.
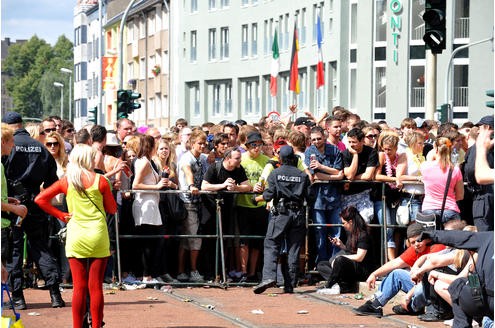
(167, 184)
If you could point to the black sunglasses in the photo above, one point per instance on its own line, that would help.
(52, 144)
(50, 130)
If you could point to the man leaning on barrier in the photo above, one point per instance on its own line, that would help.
(289, 188)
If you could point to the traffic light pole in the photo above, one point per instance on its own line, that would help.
(448, 81)
(121, 44)
(430, 85)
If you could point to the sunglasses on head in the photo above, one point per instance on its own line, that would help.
(52, 144)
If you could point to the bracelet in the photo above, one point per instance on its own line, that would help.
(189, 187)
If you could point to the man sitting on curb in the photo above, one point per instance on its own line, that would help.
(397, 278)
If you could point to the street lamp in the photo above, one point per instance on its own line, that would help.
(61, 86)
(68, 71)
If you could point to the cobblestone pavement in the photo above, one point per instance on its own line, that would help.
(216, 307)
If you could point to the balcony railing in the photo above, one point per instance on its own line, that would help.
(462, 28)
(461, 96)
(418, 32)
(418, 97)
(381, 99)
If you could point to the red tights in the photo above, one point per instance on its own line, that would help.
(87, 274)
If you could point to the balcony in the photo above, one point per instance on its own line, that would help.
(418, 32)
(418, 97)
(462, 28)
(461, 97)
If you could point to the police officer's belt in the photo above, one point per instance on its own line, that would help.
(291, 205)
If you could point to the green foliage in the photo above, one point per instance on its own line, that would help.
(33, 66)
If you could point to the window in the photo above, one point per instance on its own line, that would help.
(142, 68)
(216, 99)
(225, 3)
(151, 65)
(303, 27)
(244, 3)
(151, 23)
(286, 32)
(266, 37)
(228, 98)
(212, 4)
(194, 6)
(302, 94)
(142, 29)
(417, 86)
(130, 70)
(244, 42)
(380, 87)
(254, 40)
(130, 32)
(381, 20)
(193, 46)
(212, 44)
(224, 43)
(353, 23)
(251, 97)
(353, 88)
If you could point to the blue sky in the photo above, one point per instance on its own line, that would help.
(48, 19)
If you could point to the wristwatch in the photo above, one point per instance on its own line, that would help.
(189, 187)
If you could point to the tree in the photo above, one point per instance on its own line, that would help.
(33, 66)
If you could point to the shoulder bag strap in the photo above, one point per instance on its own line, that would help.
(449, 177)
(87, 196)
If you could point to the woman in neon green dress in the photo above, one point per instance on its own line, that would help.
(89, 197)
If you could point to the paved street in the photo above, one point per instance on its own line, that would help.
(215, 307)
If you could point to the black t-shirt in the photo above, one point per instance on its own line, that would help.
(368, 157)
(217, 174)
(363, 242)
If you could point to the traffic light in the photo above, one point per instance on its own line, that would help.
(93, 115)
(489, 93)
(435, 32)
(125, 102)
(443, 113)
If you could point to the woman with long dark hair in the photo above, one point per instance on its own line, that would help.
(353, 263)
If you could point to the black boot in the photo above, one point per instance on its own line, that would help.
(18, 302)
(57, 301)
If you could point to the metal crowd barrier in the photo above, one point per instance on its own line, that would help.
(219, 236)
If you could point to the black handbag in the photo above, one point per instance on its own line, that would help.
(175, 205)
(432, 221)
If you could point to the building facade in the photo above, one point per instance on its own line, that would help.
(373, 53)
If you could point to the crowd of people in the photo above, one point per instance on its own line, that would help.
(58, 177)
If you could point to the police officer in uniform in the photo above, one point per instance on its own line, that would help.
(29, 166)
(482, 194)
(288, 187)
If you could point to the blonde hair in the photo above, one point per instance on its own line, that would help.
(34, 130)
(171, 159)
(389, 137)
(444, 148)
(81, 161)
(413, 137)
(133, 143)
(7, 132)
(62, 155)
(461, 256)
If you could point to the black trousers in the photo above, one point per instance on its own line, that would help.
(36, 229)
(344, 271)
(464, 307)
(284, 230)
(483, 211)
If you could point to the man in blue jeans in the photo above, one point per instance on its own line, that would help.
(397, 277)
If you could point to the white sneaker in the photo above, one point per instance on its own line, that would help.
(335, 290)
(183, 277)
(196, 277)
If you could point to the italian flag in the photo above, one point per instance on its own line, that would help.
(275, 66)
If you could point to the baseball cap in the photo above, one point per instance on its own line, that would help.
(304, 121)
(12, 118)
(486, 120)
(254, 137)
(419, 122)
(286, 152)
